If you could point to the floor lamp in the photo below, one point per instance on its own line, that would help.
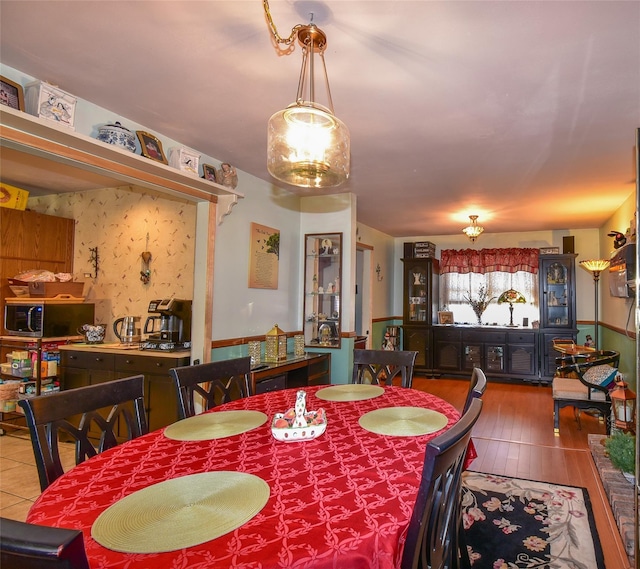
(595, 267)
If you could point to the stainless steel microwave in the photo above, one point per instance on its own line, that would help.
(46, 318)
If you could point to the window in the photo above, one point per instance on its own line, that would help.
(464, 272)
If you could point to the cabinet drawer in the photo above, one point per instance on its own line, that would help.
(521, 337)
(86, 360)
(146, 364)
(447, 334)
(271, 384)
(480, 336)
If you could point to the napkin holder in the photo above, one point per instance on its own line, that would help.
(298, 424)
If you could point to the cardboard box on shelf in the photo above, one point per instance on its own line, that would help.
(12, 197)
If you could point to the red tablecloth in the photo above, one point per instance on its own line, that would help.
(341, 500)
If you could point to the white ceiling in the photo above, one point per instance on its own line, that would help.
(521, 112)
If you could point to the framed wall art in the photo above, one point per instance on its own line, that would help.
(11, 94)
(209, 173)
(151, 146)
(264, 255)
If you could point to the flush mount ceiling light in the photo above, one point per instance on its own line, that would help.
(307, 145)
(474, 230)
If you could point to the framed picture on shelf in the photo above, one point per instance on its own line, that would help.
(445, 317)
(151, 146)
(11, 94)
(549, 250)
(209, 173)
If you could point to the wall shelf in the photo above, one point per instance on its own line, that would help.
(40, 155)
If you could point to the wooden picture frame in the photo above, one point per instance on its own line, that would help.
(445, 317)
(11, 94)
(151, 147)
(209, 173)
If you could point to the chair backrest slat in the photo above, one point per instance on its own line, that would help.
(383, 366)
(216, 382)
(432, 538)
(115, 409)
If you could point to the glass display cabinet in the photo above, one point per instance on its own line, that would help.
(322, 278)
(557, 307)
(557, 285)
(420, 308)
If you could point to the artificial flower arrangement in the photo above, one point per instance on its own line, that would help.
(480, 304)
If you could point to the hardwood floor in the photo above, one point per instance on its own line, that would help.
(514, 437)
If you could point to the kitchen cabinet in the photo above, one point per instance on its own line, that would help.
(322, 280)
(420, 308)
(31, 240)
(92, 364)
(557, 307)
(161, 397)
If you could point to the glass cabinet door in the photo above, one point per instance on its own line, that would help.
(417, 292)
(322, 281)
(557, 305)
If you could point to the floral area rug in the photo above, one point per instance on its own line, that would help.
(511, 523)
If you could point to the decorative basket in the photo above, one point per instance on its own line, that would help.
(298, 424)
(9, 390)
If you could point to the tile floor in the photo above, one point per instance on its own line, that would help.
(19, 485)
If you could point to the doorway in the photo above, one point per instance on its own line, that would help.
(363, 313)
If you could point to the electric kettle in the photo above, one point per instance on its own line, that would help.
(127, 329)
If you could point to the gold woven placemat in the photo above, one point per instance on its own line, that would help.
(215, 425)
(350, 392)
(403, 421)
(182, 512)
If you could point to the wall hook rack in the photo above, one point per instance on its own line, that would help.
(378, 271)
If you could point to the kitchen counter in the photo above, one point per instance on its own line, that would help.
(118, 348)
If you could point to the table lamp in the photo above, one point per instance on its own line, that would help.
(512, 297)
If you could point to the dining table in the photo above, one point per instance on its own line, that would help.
(341, 500)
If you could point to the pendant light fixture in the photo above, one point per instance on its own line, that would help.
(307, 145)
(473, 230)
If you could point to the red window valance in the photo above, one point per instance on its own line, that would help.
(483, 261)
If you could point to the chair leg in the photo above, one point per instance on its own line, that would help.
(556, 418)
(576, 414)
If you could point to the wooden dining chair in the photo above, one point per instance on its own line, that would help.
(383, 366)
(110, 413)
(29, 546)
(433, 534)
(477, 387)
(216, 382)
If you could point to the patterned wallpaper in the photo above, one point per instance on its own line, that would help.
(123, 223)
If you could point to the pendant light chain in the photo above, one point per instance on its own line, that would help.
(274, 31)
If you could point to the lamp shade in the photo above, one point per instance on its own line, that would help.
(473, 230)
(512, 297)
(308, 146)
(595, 266)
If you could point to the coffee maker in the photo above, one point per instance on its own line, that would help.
(168, 326)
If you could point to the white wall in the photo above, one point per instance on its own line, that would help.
(384, 255)
(240, 311)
